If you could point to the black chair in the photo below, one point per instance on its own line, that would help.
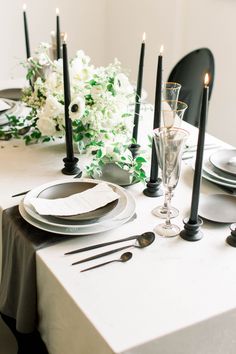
(190, 72)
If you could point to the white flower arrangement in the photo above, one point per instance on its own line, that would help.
(102, 122)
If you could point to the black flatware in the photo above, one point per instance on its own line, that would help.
(18, 194)
(142, 241)
(88, 248)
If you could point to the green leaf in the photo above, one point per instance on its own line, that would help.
(124, 115)
(93, 82)
(78, 137)
(99, 153)
(116, 150)
(140, 159)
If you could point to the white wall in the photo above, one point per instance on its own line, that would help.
(182, 26)
(110, 28)
(212, 24)
(84, 24)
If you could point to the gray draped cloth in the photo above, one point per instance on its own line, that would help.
(18, 288)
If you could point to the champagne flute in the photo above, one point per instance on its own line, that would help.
(169, 145)
(172, 113)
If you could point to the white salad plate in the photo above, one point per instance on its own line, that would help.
(224, 160)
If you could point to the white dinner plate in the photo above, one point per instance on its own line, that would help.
(92, 229)
(219, 208)
(3, 115)
(218, 174)
(217, 181)
(214, 179)
(222, 159)
(16, 110)
(114, 214)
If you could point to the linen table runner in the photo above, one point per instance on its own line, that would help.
(18, 288)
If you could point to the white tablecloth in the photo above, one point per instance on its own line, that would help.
(172, 297)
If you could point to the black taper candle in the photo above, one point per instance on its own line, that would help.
(157, 117)
(27, 45)
(199, 155)
(58, 34)
(139, 89)
(67, 99)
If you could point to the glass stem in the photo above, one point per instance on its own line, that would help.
(168, 202)
(165, 204)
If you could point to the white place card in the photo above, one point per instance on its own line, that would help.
(78, 203)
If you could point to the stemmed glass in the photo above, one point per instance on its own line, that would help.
(170, 91)
(169, 147)
(172, 113)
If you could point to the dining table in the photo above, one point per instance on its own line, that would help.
(174, 296)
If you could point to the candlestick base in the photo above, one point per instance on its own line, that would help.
(192, 231)
(71, 167)
(231, 240)
(134, 148)
(153, 189)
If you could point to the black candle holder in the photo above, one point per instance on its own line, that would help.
(71, 167)
(134, 149)
(192, 231)
(231, 240)
(153, 188)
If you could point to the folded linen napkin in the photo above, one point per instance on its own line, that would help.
(3, 105)
(78, 203)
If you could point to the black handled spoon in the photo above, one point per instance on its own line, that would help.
(125, 257)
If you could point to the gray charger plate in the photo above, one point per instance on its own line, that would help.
(66, 189)
(11, 93)
(220, 208)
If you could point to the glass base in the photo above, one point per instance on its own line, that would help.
(161, 212)
(167, 230)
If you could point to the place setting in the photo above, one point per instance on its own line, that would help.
(219, 168)
(77, 207)
(10, 112)
(7, 107)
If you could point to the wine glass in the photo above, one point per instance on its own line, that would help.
(172, 113)
(169, 147)
(170, 91)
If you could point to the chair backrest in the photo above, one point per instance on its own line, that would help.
(190, 72)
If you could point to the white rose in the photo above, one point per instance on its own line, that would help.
(76, 66)
(122, 84)
(52, 83)
(84, 58)
(58, 65)
(121, 104)
(43, 59)
(53, 107)
(46, 126)
(96, 91)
